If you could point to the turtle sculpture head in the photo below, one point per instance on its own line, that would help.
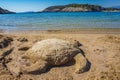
(51, 52)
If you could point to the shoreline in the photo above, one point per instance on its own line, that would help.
(65, 31)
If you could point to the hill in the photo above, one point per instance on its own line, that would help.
(4, 11)
(78, 8)
(73, 8)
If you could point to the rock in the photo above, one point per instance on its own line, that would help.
(72, 9)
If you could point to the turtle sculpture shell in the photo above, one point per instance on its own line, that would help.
(54, 51)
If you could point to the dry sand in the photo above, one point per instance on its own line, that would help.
(102, 49)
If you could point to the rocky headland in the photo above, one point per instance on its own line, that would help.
(80, 8)
(4, 11)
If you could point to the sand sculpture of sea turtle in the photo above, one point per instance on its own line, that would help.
(49, 52)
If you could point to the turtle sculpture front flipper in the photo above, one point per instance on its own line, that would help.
(37, 68)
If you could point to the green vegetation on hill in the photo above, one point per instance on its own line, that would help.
(55, 7)
(82, 5)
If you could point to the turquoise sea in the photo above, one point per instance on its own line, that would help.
(59, 20)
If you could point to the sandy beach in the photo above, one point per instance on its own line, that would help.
(101, 48)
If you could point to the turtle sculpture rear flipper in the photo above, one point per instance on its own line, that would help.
(80, 63)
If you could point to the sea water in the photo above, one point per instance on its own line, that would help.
(59, 20)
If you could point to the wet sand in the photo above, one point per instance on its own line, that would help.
(67, 31)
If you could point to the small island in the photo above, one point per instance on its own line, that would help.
(4, 11)
(80, 8)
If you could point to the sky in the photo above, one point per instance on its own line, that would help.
(38, 5)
